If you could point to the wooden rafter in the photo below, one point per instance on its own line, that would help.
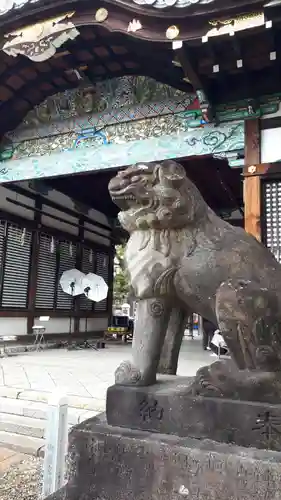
(24, 83)
(28, 83)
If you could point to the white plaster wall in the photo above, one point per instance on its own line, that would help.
(56, 325)
(15, 209)
(61, 325)
(94, 324)
(271, 145)
(13, 326)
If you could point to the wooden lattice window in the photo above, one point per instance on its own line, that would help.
(3, 231)
(272, 217)
(102, 269)
(46, 273)
(66, 255)
(16, 266)
(88, 266)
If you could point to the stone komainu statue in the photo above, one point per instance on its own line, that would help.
(182, 258)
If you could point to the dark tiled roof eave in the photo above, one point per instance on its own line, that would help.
(7, 6)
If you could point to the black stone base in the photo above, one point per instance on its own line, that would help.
(168, 408)
(121, 464)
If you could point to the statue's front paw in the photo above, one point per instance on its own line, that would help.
(127, 374)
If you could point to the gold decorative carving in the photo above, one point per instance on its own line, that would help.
(134, 25)
(252, 169)
(101, 15)
(239, 23)
(40, 41)
(172, 32)
(242, 18)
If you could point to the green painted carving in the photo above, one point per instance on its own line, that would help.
(115, 102)
(123, 102)
(207, 140)
(241, 110)
(103, 96)
(6, 150)
(115, 134)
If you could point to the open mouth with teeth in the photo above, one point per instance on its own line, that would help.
(124, 201)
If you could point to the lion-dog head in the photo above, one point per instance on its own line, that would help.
(156, 196)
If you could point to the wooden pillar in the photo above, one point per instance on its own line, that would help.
(252, 198)
(252, 204)
(252, 142)
(252, 187)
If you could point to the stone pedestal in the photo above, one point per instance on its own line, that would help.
(110, 463)
(161, 443)
(169, 408)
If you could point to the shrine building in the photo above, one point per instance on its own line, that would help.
(90, 87)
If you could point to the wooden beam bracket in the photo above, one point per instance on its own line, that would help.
(252, 143)
(191, 73)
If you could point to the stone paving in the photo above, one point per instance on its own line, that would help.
(80, 374)
(27, 381)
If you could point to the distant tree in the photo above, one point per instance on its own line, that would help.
(121, 285)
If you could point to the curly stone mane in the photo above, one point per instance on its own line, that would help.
(162, 210)
(156, 196)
